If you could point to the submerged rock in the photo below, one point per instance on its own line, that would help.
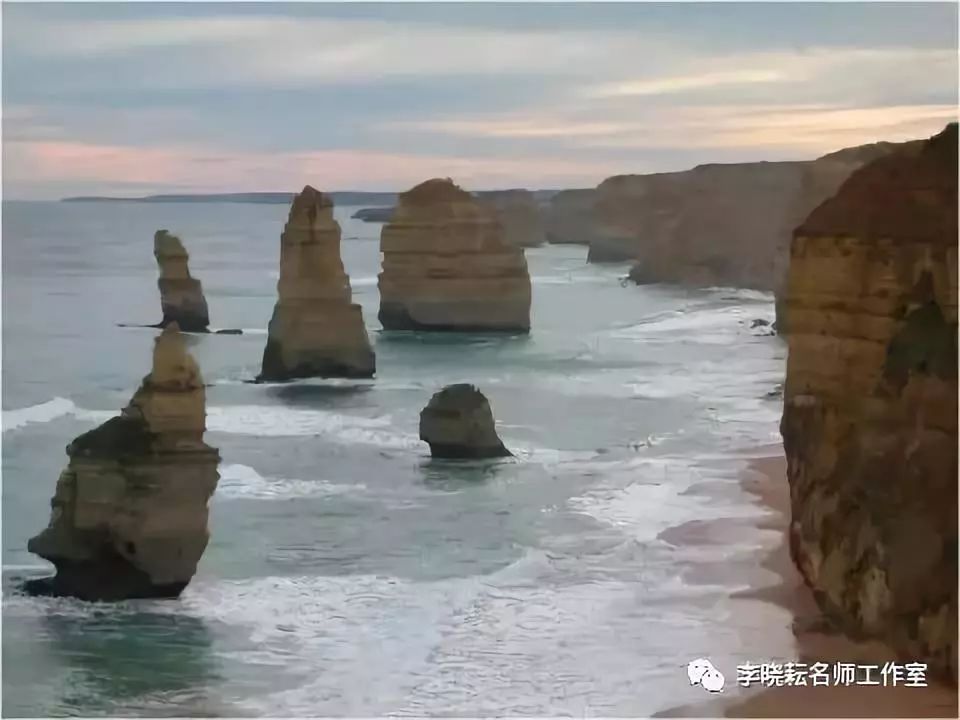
(316, 330)
(519, 213)
(870, 410)
(457, 423)
(129, 516)
(181, 296)
(447, 266)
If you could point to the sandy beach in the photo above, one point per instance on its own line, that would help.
(816, 641)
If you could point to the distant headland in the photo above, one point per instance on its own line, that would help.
(344, 197)
(269, 198)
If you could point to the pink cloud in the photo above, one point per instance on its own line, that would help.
(204, 169)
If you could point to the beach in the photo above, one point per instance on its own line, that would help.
(815, 639)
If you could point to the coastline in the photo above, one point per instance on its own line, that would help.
(816, 640)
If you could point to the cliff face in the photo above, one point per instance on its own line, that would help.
(519, 214)
(181, 296)
(569, 218)
(724, 224)
(129, 516)
(870, 405)
(316, 330)
(448, 266)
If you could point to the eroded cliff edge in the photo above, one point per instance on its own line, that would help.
(447, 265)
(129, 515)
(717, 224)
(870, 405)
(316, 329)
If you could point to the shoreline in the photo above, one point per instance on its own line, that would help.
(765, 480)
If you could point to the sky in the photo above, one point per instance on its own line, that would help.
(138, 98)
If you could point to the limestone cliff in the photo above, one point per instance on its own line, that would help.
(870, 404)
(129, 516)
(720, 224)
(316, 330)
(519, 213)
(570, 218)
(181, 296)
(447, 265)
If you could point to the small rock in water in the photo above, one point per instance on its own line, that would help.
(458, 423)
(759, 323)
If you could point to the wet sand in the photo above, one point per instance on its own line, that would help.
(815, 639)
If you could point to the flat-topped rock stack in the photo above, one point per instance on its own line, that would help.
(519, 212)
(316, 330)
(870, 402)
(447, 265)
(129, 516)
(181, 296)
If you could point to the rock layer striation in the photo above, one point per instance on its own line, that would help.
(181, 296)
(447, 266)
(870, 403)
(316, 330)
(129, 516)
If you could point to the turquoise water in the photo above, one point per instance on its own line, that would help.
(348, 574)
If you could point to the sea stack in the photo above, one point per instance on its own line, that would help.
(519, 214)
(181, 296)
(447, 266)
(316, 330)
(457, 423)
(870, 404)
(129, 516)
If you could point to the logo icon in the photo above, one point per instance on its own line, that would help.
(702, 672)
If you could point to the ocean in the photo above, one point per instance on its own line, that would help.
(348, 574)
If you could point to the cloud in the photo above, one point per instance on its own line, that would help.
(204, 169)
(247, 97)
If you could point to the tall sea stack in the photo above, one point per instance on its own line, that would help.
(181, 296)
(447, 265)
(316, 330)
(129, 516)
(870, 406)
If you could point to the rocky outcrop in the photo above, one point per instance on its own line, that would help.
(374, 215)
(316, 330)
(870, 411)
(447, 266)
(181, 296)
(570, 217)
(519, 212)
(717, 225)
(129, 516)
(457, 423)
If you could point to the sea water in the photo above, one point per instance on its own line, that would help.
(349, 574)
